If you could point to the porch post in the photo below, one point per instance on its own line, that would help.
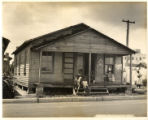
(39, 88)
(40, 56)
(89, 68)
(130, 70)
(122, 70)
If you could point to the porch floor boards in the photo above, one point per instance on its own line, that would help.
(108, 86)
(94, 86)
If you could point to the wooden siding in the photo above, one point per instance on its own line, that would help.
(22, 79)
(68, 67)
(34, 68)
(79, 63)
(118, 69)
(99, 69)
(57, 76)
(88, 41)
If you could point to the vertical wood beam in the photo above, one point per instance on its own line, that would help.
(122, 69)
(89, 68)
(130, 70)
(104, 69)
(104, 63)
(40, 61)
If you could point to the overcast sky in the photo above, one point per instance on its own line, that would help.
(23, 21)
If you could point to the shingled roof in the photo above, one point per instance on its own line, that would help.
(55, 36)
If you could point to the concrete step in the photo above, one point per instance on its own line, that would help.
(94, 91)
(98, 93)
(20, 91)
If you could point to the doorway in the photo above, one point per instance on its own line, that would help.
(86, 66)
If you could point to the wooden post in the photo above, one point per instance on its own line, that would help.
(122, 70)
(89, 68)
(40, 56)
(104, 70)
(39, 89)
(130, 70)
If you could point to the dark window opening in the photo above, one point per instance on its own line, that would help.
(109, 67)
(47, 62)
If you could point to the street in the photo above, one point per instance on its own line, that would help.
(134, 108)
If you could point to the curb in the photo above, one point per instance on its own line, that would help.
(73, 99)
(110, 98)
(25, 100)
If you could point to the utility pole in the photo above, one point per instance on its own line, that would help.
(127, 36)
(127, 40)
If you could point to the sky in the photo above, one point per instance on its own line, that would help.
(26, 20)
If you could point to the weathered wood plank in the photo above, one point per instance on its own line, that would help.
(99, 69)
(118, 69)
(19, 68)
(88, 42)
(68, 55)
(68, 60)
(68, 65)
(68, 70)
(68, 76)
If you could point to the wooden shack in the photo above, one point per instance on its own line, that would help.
(52, 60)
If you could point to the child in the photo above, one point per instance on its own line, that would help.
(139, 81)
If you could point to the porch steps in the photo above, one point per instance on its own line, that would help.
(97, 90)
(94, 91)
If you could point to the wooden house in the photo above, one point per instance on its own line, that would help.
(5, 43)
(6, 57)
(52, 60)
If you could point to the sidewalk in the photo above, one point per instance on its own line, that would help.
(31, 98)
(75, 99)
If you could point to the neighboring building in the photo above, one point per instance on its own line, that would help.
(8, 91)
(6, 64)
(6, 57)
(5, 44)
(54, 59)
(136, 59)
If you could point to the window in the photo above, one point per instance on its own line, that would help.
(25, 58)
(109, 68)
(47, 62)
(109, 64)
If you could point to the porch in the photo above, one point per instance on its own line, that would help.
(101, 71)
